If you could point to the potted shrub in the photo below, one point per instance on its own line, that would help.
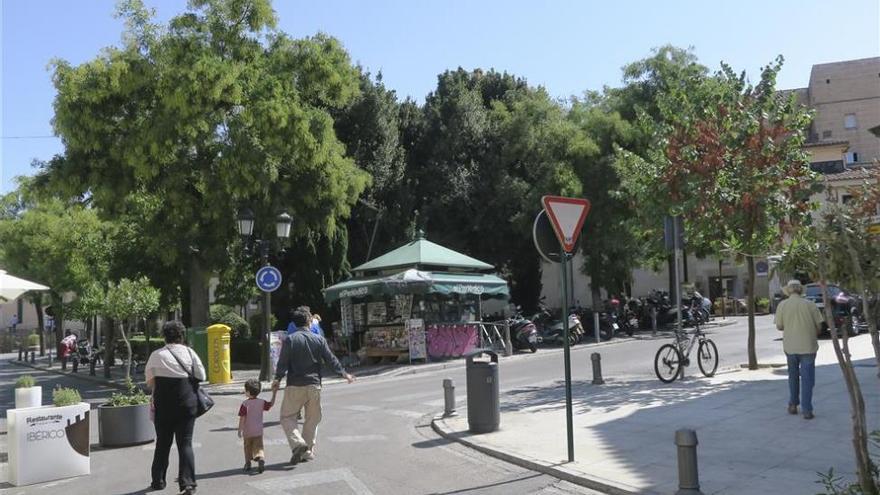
(27, 393)
(125, 419)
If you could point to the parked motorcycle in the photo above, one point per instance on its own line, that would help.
(555, 333)
(524, 334)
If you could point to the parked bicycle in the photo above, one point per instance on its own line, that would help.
(671, 357)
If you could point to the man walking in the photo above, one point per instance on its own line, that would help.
(302, 356)
(799, 321)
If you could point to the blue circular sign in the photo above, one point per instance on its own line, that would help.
(268, 278)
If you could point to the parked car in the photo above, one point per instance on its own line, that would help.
(845, 307)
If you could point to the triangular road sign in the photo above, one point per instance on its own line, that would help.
(567, 216)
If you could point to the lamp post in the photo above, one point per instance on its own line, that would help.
(283, 223)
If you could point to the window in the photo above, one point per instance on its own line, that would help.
(852, 157)
(826, 134)
(846, 199)
(849, 121)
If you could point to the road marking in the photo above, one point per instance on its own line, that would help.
(442, 402)
(402, 398)
(152, 446)
(357, 438)
(404, 414)
(268, 441)
(287, 484)
(360, 408)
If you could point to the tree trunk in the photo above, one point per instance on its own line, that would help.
(109, 341)
(198, 293)
(750, 302)
(41, 324)
(123, 333)
(856, 399)
(862, 286)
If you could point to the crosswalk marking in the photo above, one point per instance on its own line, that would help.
(360, 408)
(404, 414)
(288, 484)
(152, 446)
(357, 438)
(402, 398)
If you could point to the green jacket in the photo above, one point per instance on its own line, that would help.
(800, 321)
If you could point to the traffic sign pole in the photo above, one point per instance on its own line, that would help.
(567, 217)
(569, 420)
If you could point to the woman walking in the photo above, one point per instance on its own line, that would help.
(168, 375)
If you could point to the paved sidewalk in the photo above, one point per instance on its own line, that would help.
(624, 430)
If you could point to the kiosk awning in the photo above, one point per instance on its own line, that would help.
(419, 282)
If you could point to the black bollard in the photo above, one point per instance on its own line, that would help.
(688, 475)
(50, 358)
(20, 350)
(92, 366)
(597, 369)
(33, 357)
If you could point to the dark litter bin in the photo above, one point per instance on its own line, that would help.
(484, 415)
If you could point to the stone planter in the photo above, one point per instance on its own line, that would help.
(125, 425)
(28, 397)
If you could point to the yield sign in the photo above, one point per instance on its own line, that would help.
(567, 216)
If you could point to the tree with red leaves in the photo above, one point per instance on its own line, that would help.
(727, 156)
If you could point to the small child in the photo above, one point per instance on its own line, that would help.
(250, 424)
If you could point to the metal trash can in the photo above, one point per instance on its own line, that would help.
(483, 408)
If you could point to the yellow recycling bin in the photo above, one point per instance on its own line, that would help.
(219, 361)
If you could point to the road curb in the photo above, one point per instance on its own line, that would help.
(87, 378)
(535, 465)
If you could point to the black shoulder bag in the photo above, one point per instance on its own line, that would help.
(204, 402)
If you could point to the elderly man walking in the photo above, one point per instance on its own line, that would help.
(302, 356)
(800, 322)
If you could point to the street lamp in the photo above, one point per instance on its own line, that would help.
(283, 222)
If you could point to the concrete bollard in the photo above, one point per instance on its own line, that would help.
(50, 358)
(448, 398)
(653, 321)
(688, 474)
(596, 358)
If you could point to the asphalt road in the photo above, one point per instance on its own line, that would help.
(375, 437)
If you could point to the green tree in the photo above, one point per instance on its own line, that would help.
(184, 124)
(125, 303)
(728, 157)
(62, 245)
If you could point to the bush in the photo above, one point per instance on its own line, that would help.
(763, 303)
(256, 323)
(33, 340)
(65, 397)
(227, 315)
(25, 381)
(245, 351)
(139, 345)
(133, 397)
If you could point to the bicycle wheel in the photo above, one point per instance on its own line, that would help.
(707, 357)
(667, 363)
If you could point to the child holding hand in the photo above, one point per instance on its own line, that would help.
(250, 424)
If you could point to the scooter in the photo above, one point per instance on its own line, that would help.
(555, 333)
(524, 334)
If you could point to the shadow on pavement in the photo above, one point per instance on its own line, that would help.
(476, 489)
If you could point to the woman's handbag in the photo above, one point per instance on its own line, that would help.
(204, 402)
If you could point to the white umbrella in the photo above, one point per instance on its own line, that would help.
(12, 287)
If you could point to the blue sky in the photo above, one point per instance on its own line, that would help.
(566, 46)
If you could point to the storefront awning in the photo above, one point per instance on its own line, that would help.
(419, 282)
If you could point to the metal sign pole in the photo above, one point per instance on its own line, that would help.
(677, 245)
(568, 409)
